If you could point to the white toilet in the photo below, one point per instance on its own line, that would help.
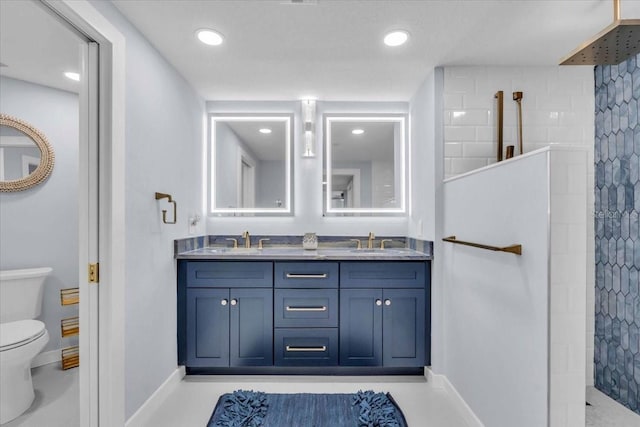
(21, 337)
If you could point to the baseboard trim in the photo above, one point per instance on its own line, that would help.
(441, 381)
(141, 417)
(47, 357)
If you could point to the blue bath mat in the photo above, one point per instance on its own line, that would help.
(256, 409)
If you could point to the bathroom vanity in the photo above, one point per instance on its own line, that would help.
(333, 311)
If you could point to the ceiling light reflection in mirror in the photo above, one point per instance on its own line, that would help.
(364, 168)
(251, 164)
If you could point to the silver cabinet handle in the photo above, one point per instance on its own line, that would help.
(378, 302)
(387, 302)
(306, 276)
(321, 308)
(234, 301)
(224, 302)
(321, 348)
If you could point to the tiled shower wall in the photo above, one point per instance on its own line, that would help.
(557, 107)
(617, 241)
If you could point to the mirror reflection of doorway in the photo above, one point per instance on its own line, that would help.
(246, 181)
(247, 196)
(345, 188)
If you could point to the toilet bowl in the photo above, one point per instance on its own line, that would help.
(20, 342)
(21, 337)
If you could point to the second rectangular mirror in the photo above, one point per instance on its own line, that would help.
(364, 164)
(251, 164)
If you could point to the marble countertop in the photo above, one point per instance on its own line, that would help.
(220, 253)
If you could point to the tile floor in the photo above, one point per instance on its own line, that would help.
(192, 401)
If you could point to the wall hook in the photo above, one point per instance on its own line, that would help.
(160, 196)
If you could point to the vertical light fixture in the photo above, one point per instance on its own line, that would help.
(309, 118)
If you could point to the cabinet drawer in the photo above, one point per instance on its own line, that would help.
(229, 274)
(311, 308)
(306, 274)
(405, 274)
(306, 347)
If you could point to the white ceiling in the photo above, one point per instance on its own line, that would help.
(333, 50)
(329, 49)
(37, 47)
(265, 146)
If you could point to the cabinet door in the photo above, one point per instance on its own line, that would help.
(251, 327)
(404, 327)
(361, 327)
(207, 327)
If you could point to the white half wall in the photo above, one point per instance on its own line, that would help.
(509, 332)
(557, 108)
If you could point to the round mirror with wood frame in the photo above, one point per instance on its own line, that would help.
(47, 157)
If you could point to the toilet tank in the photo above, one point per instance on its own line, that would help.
(21, 293)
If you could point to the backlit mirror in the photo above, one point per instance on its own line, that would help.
(251, 164)
(26, 158)
(364, 164)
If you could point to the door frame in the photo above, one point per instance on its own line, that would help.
(102, 400)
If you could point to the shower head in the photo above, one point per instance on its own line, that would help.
(616, 43)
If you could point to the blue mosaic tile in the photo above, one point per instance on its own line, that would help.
(624, 119)
(616, 229)
(598, 76)
(627, 87)
(635, 87)
(629, 313)
(634, 338)
(634, 168)
(615, 119)
(624, 340)
(633, 113)
(624, 281)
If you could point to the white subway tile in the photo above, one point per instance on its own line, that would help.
(553, 103)
(534, 133)
(478, 149)
(447, 118)
(565, 134)
(460, 85)
(470, 118)
(453, 149)
(453, 101)
(483, 100)
(583, 104)
(542, 118)
(459, 133)
(485, 133)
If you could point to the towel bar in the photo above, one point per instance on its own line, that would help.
(514, 249)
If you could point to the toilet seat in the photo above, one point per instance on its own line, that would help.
(19, 333)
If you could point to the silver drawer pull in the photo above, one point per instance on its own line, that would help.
(321, 348)
(321, 308)
(306, 276)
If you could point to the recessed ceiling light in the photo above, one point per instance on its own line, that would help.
(72, 76)
(396, 38)
(265, 130)
(357, 131)
(210, 37)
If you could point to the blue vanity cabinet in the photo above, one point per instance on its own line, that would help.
(384, 314)
(226, 326)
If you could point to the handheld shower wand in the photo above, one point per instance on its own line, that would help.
(517, 96)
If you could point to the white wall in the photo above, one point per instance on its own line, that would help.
(514, 326)
(557, 107)
(425, 220)
(39, 226)
(307, 178)
(164, 151)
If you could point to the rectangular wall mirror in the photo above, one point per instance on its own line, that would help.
(251, 164)
(364, 164)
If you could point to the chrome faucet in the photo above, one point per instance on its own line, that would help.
(371, 239)
(247, 239)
